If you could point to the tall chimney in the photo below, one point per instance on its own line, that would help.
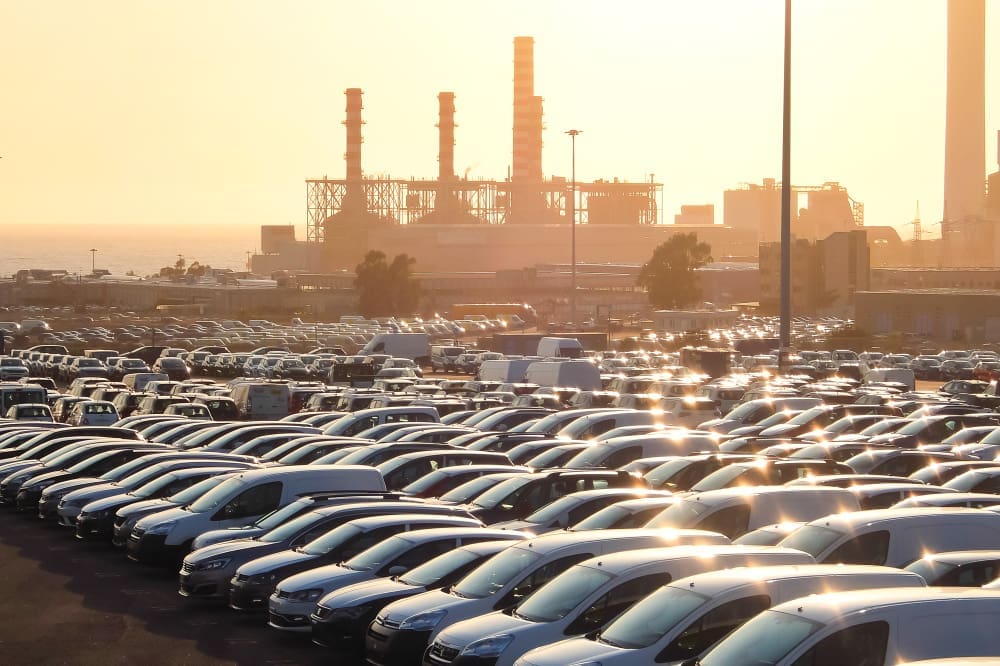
(446, 136)
(965, 124)
(527, 163)
(353, 123)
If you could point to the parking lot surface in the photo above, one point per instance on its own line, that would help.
(66, 602)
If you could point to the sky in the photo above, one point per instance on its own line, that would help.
(216, 111)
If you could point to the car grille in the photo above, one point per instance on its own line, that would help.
(136, 533)
(119, 521)
(282, 594)
(241, 578)
(387, 622)
(187, 567)
(322, 612)
(443, 652)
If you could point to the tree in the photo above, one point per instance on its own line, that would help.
(669, 275)
(386, 289)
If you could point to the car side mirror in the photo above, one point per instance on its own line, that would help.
(398, 570)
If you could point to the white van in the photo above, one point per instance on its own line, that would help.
(363, 419)
(507, 371)
(683, 619)
(687, 411)
(415, 346)
(582, 375)
(587, 596)
(898, 375)
(549, 347)
(262, 401)
(895, 537)
(167, 535)
(620, 451)
(503, 582)
(867, 628)
(736, 511)
(136, 381)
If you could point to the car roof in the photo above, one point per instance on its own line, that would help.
(835, 606)
(554, 541)
(623, 561)
(931, 515)
(375, 522)
(963, 556)
(713, 583)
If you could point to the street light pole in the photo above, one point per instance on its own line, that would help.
(93, 260)
(784, 338)
(573, 133)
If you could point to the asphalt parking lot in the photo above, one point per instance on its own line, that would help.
(66, 602)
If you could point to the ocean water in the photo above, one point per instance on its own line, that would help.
(140, 248)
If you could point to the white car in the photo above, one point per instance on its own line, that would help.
(12, 369)
(93, 412)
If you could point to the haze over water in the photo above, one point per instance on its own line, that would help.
(142, 249)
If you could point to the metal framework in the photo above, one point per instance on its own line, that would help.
(480, 201)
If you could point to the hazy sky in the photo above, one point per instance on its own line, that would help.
(217, 111)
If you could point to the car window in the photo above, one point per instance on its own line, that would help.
(614, 602)
(731, 521)
(253, 502)
(422, 553)
(860, 645)
(712, 626)
(540, 577)
(871, 548)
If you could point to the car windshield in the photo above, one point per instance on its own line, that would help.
(721, 478)
(914, 427)
(88, 461)
(141, 477)
(124, 470)
(552, 456)
(215, 497)
(431, 572)
(469, 490)
(606, 518)
(280, 515)
(501, 492)
(811, 539)
(593, 456)
(493, 575)
(288, 529)
(562, 594)
(807, 416)
(552, 510)
(152, 488)
(190, 494)
(379, 555)
(762, 641)
(681, 514)
(930, 569)
(649, 620)
(550, 423)
(331, 540)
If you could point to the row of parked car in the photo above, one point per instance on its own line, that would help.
(537, 535)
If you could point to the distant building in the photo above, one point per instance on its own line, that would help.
(700, 215)
(943, 315)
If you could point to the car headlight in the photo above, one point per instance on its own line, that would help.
(262, 579)
(212, 565)
(423, 621)
(311, 594)
(161, 528)
(489, 647)
(68, 504)
(351, 612)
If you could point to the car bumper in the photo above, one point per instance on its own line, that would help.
(243, 596)
(288, 615)
(27, 500)
(390, 646)
(94, 527)
(204, 584)
(152, 549)
(339, 632)
(48, 508)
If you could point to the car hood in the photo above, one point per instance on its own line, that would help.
(93, 493)
(385, 590)
(146, 506)
(69, 485)
(274, 561)
(744, 431)
(462, 633)
(109, 502)
(572, 651)
(162, 517)
(400, 610)
(47, 477)
(245, 549)
(534, 528)
(329, 577)
(219, 536)
(19, 467)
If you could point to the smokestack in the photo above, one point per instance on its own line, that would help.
(965, 124)
(446, 136)
(527, 157)
(353, 123)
